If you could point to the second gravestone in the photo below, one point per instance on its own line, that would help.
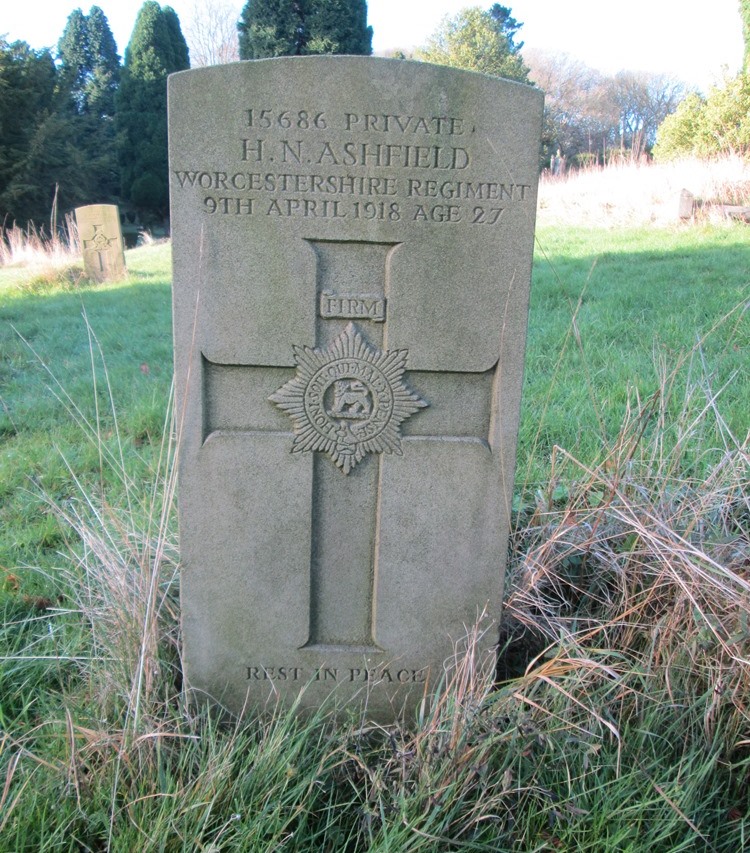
(352, 243)
(101, 241)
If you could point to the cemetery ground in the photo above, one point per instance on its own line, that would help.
(622, 717)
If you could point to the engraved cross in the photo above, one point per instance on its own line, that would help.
(350, 403)
(98, 245)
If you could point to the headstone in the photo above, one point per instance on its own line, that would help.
(101, 241)
(686, 205)
(352, 244)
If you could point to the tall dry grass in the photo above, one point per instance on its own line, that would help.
(634, 194)
(33, 247)
(45, 260)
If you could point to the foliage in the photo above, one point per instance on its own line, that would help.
(507, 24)
(338, 26)
(576, 120)
(32, 141)
(57, 134)
(270, 28)
(56, 127)
(677, 133)
(708, 127)
(717, 124)
(89, 64)
(156, 49)
(89, 77)
(478, 41)
(642, 102)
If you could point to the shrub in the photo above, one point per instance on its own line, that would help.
(708, 127)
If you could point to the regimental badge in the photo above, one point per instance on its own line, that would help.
(99, 241)
(348, 399)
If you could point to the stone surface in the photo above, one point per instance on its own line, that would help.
(686, 206)
(352, 243)
(101, 241)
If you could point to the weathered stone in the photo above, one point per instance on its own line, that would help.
(686, 205)
(352, 244)
(101, 241)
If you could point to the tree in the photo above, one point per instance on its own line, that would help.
(337, 26)
(642, 102)
(156, 49)
(709, 126)
(677, 135)
(716, 124)
(509, 26)
(32, 156)
(178, 54)
(212, 34)
(478, 41)
(577, 119)
(591, 117)
(89, 64)
(270, 28)
(89, 78)
(298, 27)
(74, 56)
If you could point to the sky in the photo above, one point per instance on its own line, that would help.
(685, 40)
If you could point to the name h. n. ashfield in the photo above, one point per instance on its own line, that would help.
(344, 306)
(368, 154)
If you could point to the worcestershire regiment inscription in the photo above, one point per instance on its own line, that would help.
(352, 244)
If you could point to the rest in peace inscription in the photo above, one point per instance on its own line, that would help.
(421, 171)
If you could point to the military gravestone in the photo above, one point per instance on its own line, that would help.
(352, 243)
(101, 241)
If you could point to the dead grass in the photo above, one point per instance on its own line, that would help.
(633, 194)
(48, 260)
(635, 561)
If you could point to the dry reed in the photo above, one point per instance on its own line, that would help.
(635, 194)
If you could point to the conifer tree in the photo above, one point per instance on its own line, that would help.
(89, 77)
(298, 27)
(271, 28)
(179, 56)
(156, 49)
(338, 26)
(104, 77)
(89, 64)
(74, 56)
(32, 156)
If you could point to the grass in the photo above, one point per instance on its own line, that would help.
(622, 721)
(614, 314)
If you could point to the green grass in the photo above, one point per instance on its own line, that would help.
(614, 314)
(64, 350)
(624, 722)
